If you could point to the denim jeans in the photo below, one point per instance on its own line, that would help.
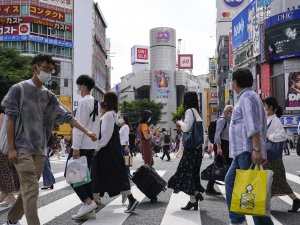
(242, 161)
(48, 177)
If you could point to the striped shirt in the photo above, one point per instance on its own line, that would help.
(248, 119)
(222, 129)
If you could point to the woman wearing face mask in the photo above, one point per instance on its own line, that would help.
(276, 137)
(124, 134)
(146, 136)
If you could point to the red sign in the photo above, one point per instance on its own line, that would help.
(24, 29)
(8, 10)
(185, 61)
(231, 66)
(47, 13)
(9, 30)
(142, 53)
(266, 72)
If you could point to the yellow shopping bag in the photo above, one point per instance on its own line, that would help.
(252, 192)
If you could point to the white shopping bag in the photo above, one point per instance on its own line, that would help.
(77, 170)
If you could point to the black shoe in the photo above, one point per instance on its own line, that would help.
(153, 200)
(202, 189)
(47, 187)
(212, 192)
(296, 205)
(199, 197)
(190, 205)
(161, 158)
(132, 205)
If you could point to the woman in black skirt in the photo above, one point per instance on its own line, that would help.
(187, 176)
(108, 168)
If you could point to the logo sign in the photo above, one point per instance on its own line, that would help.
(142, 53)
(233, 3)
(163, 36)
(292, 99)
(290, 120)
(47, 13)
(283, 17)
(24, 29)
(139, 54)
(185, 61)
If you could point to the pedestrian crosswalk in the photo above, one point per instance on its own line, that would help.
(113, 211)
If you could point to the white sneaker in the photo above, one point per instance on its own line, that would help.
(85, 210)
(8, 223)
(90, 215)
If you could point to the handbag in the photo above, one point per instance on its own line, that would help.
(3, 130)
(128, 160)
(219, 171)
(194, 138)
(274, 149)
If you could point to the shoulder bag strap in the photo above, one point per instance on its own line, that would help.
(269, 124)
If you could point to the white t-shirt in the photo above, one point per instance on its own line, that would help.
(124, 134)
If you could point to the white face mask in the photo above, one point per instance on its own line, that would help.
(44, 77)
(121, 121)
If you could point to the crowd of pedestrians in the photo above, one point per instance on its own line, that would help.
(243, 135)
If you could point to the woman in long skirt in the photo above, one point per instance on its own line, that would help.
(187, 176)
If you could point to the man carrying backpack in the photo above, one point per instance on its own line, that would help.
(165, 143)
(221, 144)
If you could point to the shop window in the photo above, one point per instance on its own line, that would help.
(66, 83)
(24, 10)
(68, 18)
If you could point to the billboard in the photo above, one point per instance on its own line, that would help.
(292, 90)
(212, 72)
(227, 9)
(47, 13)
(19, 29)
(61, 3)
(162, 79)
(282, 18)
(162, 36)
(283, 41)
(140, 54)
(231, 66)
(185, 61)
(9, 10)
(262, 3)
(243, 25)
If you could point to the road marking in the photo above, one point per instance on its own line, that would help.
(113, 213)
(287, 199)
(56, 175)
(175, 216)
(57, 186)
(248, 218)
(294, 178)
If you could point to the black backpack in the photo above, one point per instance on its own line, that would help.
(212, 130)
(167, 138)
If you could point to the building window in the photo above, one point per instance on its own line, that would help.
(34, 28)
(68, 35)
(24, 10)
(44, 30)
(68, 18)
(66, 83)
(61, 34)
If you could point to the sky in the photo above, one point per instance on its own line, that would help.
(129, 23)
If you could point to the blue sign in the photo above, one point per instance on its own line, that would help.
(233, 3)
(67, 44)
(262, 3)
(243, 26)
(283, 17)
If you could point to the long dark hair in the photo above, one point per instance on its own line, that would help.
(111, 101)
(145, 116)
(190, 101)
(272, 102)
(125, 118)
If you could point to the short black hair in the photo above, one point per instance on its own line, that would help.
(272, 102)
(40, 58)
(111, 101)
(146, 114)
(126, 120)
(190, 101)
(86, 80)
(243, 77)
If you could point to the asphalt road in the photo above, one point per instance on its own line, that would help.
(57, 206)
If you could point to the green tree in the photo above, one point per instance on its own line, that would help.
(134, 109)
(13, 69)
(178, 114)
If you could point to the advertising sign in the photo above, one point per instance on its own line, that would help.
(212, 72)
(140, 54)
(290, 120)
(185, 61)
(243, 25)
(67, 44)
(162, 36)
(61, 3)
(19, 29)
(162, 80)
(266, 72)
(227, 9)
(262, 3)
(243, 55)
(283, 41)
(213, 96)
(9, 10)
(283, 17)
(292, 90)
(47, 13)
(231, 66)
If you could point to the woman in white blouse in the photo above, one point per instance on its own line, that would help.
(108, 169)
(187, 176)
(276, 137)
(124, 134)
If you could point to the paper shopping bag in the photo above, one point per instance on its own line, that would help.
(128, 160)
(252, 192)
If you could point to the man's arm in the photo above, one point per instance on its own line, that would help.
(12, 152)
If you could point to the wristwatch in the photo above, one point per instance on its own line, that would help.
(256, 149)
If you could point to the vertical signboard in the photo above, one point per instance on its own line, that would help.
(292, 90)
(231, 66)
(162, 79)
(212, 72)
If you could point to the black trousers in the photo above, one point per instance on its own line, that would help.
(218, 159)
(166, 149)
(85, 191)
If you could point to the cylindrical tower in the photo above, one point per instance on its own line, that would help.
(163, 66)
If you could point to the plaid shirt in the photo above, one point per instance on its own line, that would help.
(248, 119)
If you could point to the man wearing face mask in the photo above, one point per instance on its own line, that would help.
(222, 141)
(38, 112)
(87, 114)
